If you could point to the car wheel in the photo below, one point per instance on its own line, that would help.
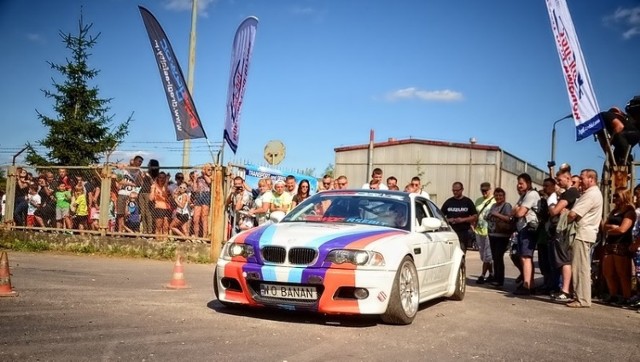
(215, 289)
(405, 295)
(461, 282)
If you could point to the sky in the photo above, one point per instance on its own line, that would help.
(324, 73)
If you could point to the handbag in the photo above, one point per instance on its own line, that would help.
(503, 227)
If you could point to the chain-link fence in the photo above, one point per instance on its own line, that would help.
(125, 200)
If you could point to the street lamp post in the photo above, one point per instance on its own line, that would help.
(552, 163)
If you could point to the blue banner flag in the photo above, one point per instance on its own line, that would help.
(183, 111)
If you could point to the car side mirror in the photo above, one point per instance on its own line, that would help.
(429, 224)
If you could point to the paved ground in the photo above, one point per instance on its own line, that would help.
(96, 308)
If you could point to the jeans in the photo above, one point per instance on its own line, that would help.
(498, 246)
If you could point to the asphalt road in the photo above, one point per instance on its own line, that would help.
(73, 308)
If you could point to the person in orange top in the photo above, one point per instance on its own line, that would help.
(159, 195)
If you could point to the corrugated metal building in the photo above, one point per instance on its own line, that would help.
(438, 164)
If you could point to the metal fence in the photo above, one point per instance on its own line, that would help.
(126, 200)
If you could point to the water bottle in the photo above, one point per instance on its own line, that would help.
(513, 243)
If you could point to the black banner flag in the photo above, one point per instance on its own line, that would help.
(183, 110)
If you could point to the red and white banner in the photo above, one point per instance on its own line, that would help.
(240, 58)
(584, 106)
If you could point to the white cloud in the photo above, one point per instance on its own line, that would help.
(185, 5)
(316, 15)
(303, 10)
(445, 95)
(36, 38)
(628, 19)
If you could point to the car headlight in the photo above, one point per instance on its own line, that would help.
(238, 249)
(356, 257)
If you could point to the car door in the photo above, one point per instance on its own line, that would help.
(447, 237)
(432, 251)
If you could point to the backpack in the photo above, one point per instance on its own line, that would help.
(542, 210)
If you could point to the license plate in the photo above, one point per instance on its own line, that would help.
(288, 292)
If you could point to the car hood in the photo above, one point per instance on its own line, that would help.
(323, 237)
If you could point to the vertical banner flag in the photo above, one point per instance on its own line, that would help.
(240, 57)
(584, 105)
(183, 111)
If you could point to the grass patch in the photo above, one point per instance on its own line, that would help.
(166, 250)
(27, 245)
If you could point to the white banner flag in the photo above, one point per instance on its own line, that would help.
(240, 57)
(584, 105)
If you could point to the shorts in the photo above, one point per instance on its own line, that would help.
(484, 249)
(202, 198)
(121, 204)
(62, 212)
(31, 220)
(133, 225)
(182, 217)
(526, 243)
(562, 254)
(80, 220)
(160, 213)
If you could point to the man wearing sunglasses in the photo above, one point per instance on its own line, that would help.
(327, 183)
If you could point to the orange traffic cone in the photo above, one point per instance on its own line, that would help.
(177, 280)
(5, 277)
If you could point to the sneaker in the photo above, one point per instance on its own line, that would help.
(634, 301)
(490, 279)
(480, 280)
(562, 297)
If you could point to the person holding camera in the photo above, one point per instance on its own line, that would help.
(239, 203)
(526, 225)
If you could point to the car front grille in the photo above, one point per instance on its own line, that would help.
(297, 256)
(302, 256)
(274, 254)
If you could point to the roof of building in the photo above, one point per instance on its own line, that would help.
(394, 142)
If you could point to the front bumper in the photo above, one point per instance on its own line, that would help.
(239, 282)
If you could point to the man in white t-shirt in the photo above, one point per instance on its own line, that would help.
(376, 181)
(417, 185)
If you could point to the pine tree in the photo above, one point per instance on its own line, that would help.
(82, 132)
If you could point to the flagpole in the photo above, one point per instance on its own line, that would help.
(186, 144)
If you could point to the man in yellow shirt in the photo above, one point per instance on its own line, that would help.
(483, 205)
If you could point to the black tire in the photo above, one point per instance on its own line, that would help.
(215, 289)
(405, 295)
(461, 283)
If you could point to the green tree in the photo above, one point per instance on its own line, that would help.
(82, 131)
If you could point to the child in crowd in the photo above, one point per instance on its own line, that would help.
(63, 199)
(180, 222)
(79, 204)
(33, 203)
(132, 214)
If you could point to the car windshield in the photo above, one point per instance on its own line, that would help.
(390, 209)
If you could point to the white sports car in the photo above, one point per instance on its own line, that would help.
(346, 252)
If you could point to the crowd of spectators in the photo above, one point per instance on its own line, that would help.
(580, 251)
(141, 200)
